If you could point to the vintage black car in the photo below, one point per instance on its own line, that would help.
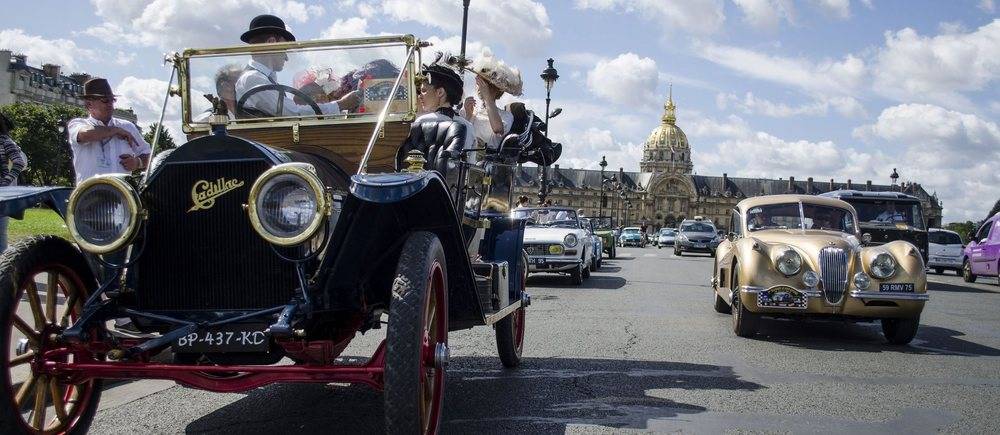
(267, 239)
(887, 216)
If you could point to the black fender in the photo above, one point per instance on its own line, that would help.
(365, 246)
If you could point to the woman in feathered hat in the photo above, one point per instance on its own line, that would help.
(493, 79)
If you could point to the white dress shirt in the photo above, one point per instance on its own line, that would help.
(484, 130)
(258, 74)
(102, 156)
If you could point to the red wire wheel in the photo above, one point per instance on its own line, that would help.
(510, 329)
(417, 338)
(43, 284)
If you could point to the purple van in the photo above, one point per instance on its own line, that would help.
(982, 255)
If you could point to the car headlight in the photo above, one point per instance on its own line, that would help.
(883, 265)
(861, 280)
(810, 279)
(570, 240)
(287, 204)
(789, 262)
(103, 213)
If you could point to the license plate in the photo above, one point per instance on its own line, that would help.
(700, 245)
(539, 261)
(229, 338)
(896, 287)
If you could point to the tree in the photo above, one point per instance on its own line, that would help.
(995, 210)
(166, 141)
(40, 131)
(963, 229)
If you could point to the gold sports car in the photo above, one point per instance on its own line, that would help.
(802, 256)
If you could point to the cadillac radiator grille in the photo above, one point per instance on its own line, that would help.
(210, 259)
(833, 271)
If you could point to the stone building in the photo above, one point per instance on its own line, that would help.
(665, 190)
(20, 82)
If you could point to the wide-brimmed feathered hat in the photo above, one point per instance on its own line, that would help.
(266, 24)
(497, 73)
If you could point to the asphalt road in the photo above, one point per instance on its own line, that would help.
(639, 348)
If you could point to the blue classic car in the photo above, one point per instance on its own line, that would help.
(632, 236)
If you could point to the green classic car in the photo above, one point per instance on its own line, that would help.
(603, 229)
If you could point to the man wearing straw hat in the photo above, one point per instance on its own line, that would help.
(101, 143)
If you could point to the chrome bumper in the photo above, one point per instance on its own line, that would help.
(857, 294)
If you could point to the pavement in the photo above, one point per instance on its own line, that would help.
(638, 349)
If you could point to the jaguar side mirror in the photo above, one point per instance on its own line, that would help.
(731, 236)
(866, 238)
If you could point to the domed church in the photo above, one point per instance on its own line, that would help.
(665, 191)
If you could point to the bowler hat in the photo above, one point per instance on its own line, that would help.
(263, 24)
(97, 88)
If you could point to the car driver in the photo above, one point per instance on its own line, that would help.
(262, 70)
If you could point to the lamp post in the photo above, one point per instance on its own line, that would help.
(603, 164)
(549, 75)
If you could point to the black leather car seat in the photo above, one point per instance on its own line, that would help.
(438, 140)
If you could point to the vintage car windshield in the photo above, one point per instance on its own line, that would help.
(667, 231)
(889, 213)
(806, 217)
(697, 227)
(282, 84)
(631, 231)
(544, 217)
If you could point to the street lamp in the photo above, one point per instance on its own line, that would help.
(603, 164)
(549, 75)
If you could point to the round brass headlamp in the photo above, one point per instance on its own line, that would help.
(288, 204)
(103, 213)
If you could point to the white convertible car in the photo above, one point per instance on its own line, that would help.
(556, 242)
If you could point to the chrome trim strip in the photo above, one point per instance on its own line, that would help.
(752, 290)
(886, 296)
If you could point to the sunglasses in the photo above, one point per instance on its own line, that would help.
(104, 100)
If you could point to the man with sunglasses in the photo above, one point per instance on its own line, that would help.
(101, 143)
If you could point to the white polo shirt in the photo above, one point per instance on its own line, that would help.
(102, 157)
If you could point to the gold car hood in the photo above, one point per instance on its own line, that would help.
(808, 242)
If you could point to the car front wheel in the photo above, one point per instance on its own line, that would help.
(744, 321)
(900, 331)
(967, 274)
(416, 353)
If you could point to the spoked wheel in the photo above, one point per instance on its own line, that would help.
(417, 338)
(744, 321)
(510, 329)
(32, 402)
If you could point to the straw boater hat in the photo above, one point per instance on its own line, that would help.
(497, 73)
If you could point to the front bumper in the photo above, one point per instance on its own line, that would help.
(689, 246)
(855, 303)
(945, 262)
(632, 242)
(552, 264)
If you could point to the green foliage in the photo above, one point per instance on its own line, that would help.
(166, 141)
(963, 229)
(37, 131)
(37, 221)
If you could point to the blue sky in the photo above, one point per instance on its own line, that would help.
(824, 88)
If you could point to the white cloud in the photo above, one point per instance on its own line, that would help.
(178, 24)
(694, 16)
(868, 4)
(987, 6)
(123, 58)
(838, 8)
(938, 69)
(41, 51)
(751, 104)
(520, 25)
(145, 97)
(766, 14)
(826, 77)
(951, 152)
(625, 80)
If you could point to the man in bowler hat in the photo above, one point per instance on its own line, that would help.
(101, 143)
(262, 69)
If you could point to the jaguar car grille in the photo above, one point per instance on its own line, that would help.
(833, 271)
(207, 257)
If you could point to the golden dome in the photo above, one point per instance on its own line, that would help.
(668, 134)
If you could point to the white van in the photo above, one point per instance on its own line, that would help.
(944, 250)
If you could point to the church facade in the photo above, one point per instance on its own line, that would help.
(665, 190)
